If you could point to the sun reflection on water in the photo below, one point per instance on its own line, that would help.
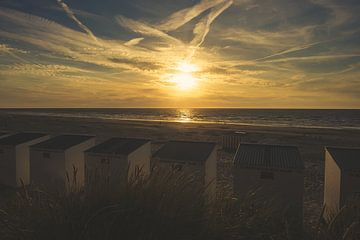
(184, 115)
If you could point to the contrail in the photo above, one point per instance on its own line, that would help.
(181, 17)
(145, 29)
(294, 49)
(202, 28)
(71, 14)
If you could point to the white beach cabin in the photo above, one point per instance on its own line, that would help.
(273, 172)
(118, 160)
(59, 161)
(198, 158)
(14, 158)
(342, 177)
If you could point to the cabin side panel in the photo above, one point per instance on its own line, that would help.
(139, 161)
(210, 172)
(75, 163)
(332, 184)
(23, 161)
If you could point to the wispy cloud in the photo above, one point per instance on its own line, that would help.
(250, 60)
(178, 19)
(202, 28)
(183, 16)
(71, 14)
(145, 29)
(133, 42)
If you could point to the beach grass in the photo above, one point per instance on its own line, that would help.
(166, 205)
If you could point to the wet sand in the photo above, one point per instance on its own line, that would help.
(310, 141)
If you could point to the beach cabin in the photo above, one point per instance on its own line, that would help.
(59, 161)
(274, 173)
(342, 177)
(118, 160)
(231, 141)
(14, 158)
(198, 158)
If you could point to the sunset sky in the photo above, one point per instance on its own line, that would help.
(180, 53)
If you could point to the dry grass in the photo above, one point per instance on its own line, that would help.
(342, 225)
(167, 205)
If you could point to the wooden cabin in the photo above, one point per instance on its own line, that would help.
(118, 160)
(14, 157)
(59, 161)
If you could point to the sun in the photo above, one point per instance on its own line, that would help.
(187, 67)
(184, 78)
(184, 81)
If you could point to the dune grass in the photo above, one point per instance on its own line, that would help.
(167, 205)
(341, 225)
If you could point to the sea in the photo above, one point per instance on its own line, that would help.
(308, 118)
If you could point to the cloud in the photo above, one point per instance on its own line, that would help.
(314, 58)
(45, 57)
(5, 49)
(133, 42)
(293, 49)
(202, 28)
(341, 14)
(71, 14)
(145, 29)
(179, 18)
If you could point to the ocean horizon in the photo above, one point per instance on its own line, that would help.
(307, 118)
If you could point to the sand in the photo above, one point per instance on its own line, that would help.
(310, 141)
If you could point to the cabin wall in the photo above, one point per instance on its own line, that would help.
(195, 169)
(22, 164)
(139, 160)
(350, 187)
(23, 161)
(283, 187)
(210, 173)
(75, 164)
(47, 168)
(332, 185)
(8, 165)
(105, 169)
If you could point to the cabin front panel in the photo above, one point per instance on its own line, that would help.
(278, 186)
(47, 168)
(350, 186)
(105, 169)
(196, 169)
(8, 166)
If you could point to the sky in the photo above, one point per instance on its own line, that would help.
(180, 53)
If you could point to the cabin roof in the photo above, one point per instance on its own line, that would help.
(186, 151)
(121, 146)
(62, 142)
(268, 157)
(20, 138)
(345, 158)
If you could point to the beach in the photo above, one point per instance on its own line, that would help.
(310, 141)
